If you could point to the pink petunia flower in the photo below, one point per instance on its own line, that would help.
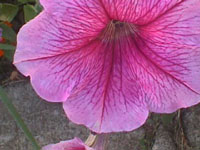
(94, 142)
(111, 62)
(75, 144)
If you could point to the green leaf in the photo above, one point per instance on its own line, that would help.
(7, 47)
(9, 50)
(29, 12)
(8, 12)
(8, 33)
(11, 108)
(25, 1)
(38, 7)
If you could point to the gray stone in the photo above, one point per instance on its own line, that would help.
(191, 125)
(163, 140)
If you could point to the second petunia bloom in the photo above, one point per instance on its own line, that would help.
(75, 144)
(111, 62)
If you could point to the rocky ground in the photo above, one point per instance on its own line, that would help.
(48, 123)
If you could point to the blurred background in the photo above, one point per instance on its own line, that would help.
(13, 15)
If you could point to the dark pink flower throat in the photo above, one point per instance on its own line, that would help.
(115, 30)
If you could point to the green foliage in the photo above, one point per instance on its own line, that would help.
(29, 12)
(12, 16)
(10, 37)
(26, 1)
(8, 12)
(9, 50)
(8, 33)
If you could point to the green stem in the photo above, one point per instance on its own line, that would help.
(6, 101)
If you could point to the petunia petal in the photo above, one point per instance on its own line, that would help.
(135, 11)
(172, 43)
(151, 70)
(111, 96)
(49, 35)
(86, 14)
(75, 144)
(44, 45)
(54, 77)
(138, 11)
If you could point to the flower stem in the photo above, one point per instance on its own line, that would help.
(97, 141)
(91, 140)
(6, 101)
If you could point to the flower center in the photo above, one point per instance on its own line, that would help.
(118, 24)
(116, 30)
